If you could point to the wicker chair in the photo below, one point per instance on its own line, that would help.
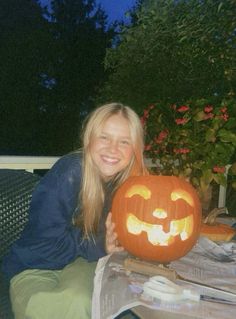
(16, 188)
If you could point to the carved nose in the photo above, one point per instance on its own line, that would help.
(159, 213)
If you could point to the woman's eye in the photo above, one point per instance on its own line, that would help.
(104, 138)
(125, 142)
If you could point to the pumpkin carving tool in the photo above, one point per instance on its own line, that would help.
(162, 288)
(149, 268)
(155, 269)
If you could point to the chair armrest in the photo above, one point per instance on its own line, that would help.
(16, 187)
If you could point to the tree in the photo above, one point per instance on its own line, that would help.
(81, 37)
(23, 58)
(175, 50)
(51, 64)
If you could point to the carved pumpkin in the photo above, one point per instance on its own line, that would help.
(157, 217)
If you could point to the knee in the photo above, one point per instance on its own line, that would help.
(68, 303)
(82, 300)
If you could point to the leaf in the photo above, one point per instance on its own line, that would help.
(233, 168)
(220, 6)
(195, 182)
(234, 185)
(220, 179)
(210, 135)
(227, 136)
(200, 116)
(183, 38)
(207, 177)
(223, 153)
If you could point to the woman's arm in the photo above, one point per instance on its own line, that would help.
(50, 240)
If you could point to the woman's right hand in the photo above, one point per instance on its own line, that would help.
(112, 244)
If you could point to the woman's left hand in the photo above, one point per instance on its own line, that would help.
(112, 244)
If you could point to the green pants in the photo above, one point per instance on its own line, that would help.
(49, 294)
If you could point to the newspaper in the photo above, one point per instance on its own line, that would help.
(117, 290)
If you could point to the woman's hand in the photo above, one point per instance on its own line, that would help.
(112, 244)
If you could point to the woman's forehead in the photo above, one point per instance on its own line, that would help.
(116, 121)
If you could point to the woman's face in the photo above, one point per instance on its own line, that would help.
(112, 150)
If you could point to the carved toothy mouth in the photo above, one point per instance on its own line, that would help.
(156, 236)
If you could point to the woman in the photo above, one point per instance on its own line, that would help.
(51, 267)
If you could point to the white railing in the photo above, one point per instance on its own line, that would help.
(31, 163)
(223, 189)
(28, 163)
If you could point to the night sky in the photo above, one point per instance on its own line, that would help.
(115, 9)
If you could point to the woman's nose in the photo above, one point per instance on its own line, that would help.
(113, 146)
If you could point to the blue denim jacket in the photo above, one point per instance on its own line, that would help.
(50, 240)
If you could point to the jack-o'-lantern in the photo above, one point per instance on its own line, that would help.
(157, 217)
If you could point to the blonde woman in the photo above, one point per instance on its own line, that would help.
(51, 267)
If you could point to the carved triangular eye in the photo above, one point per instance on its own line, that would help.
(140, 190)
(182, 194)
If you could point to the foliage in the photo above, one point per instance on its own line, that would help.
(81, 36)
(195, 140)
(23, 57)
(51, 66)
(175, 50)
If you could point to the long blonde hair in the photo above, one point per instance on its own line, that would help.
(92, 194)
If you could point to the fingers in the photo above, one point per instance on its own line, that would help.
(118, 248)
(111, 236)
(108, 220)
(110, 226)
(112, 244)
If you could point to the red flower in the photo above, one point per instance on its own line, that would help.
(208, 108)
(143, 120)
(224, 117)
(208, 116)
(219, 169)
(181, 150)
(145, 116)
(223, 109)
(162, 135)
(185, 150)
(183, 108)
(181, 121)
(148, 147)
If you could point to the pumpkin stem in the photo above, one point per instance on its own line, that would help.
(210, 219)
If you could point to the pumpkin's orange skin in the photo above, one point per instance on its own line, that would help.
(160, 188)
(218, 232)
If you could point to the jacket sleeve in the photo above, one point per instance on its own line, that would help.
(50, 240)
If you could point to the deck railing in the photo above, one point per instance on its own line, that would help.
(28, 163)
(32, 163)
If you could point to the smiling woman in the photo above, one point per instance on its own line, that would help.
(69, 226)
